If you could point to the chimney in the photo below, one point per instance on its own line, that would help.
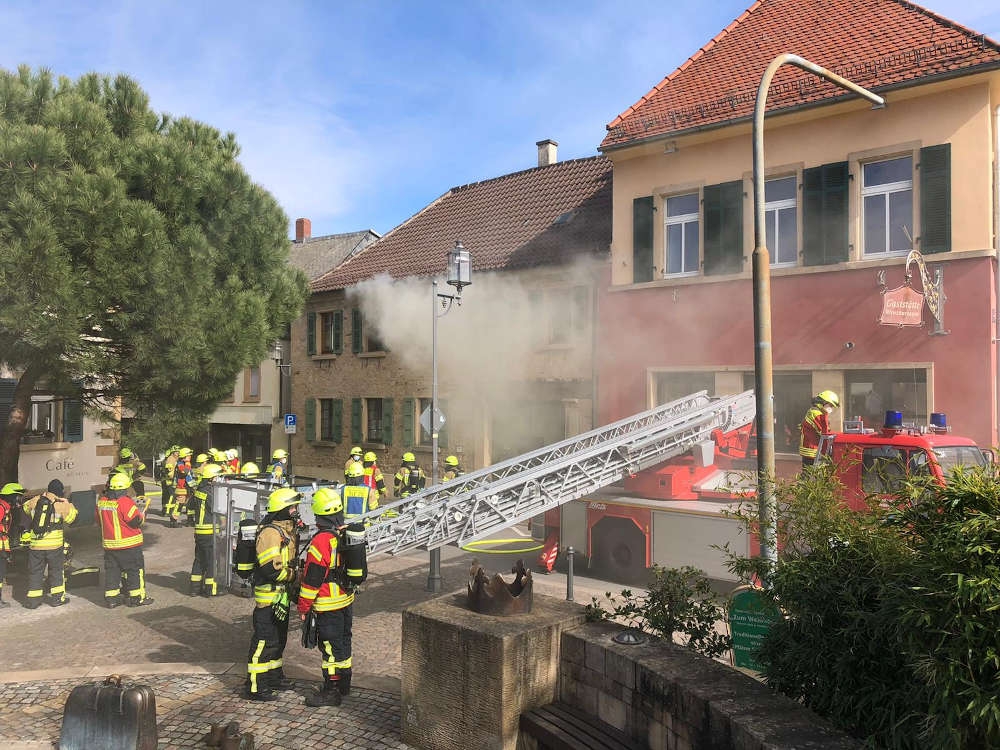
(303, 229)
(547, 152)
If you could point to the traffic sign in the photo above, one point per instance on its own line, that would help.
(291, 421)
(425, 419)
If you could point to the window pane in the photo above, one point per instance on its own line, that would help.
(871, 392)
(885, 172)
(671, 386)
(792, 396)
(682, 204)
(690, 246)
(883, 469)
(788, 236)
(901, 220)
(254, 382)
(674, 250)
(374, 406)
(779, 190)
(874, 224)
(326, 409)
(769, 224)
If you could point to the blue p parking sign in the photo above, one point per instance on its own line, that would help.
(290, 424)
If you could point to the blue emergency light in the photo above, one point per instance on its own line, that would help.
(894, 420)
(939, 420)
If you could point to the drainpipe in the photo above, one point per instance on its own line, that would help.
(996, 264)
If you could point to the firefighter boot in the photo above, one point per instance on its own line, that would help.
(113, 601)
(195, 588)
(328, 696)
(344, 680)
(57, 600)
(264, 695)
(277, 681)
(139, 601)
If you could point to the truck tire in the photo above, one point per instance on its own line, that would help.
(619, 550)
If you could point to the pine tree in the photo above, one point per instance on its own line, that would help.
(139, 264)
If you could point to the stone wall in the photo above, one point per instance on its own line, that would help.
(668, 698)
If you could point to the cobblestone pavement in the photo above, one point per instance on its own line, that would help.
(186, 705)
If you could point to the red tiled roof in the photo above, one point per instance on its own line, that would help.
(540, 216)
(876, 43)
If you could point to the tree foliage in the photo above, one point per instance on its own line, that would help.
(137, 258)
(892, 616)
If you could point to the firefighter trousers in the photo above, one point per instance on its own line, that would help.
(3, 569)
(126, 565)
(267, 645)
(38, 561)
(166, 499)
(333, 636)
(202, 570)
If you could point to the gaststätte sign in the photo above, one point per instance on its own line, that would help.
(902, 306)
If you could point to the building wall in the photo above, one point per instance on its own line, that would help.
(79, 466)
(234, 421)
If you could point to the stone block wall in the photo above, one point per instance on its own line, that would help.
(668, 698)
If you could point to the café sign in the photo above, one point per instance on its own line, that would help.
(902, 306)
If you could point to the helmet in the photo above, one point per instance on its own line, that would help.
(173, 449)
(125, 453)
(120, 481)
(208, 471)
(201, 458)
(286, 497)
(279, 454)
(356, 450)
(232, 453)
(12, 488)
(355, 470)
(829, 397)
(451, 461)
(185, 452)
(326, 502)
(409, 457)
(250, 469)
(216, 454)
(370, 456)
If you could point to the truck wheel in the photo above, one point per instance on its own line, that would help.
(619, 550)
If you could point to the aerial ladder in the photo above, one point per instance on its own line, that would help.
(480, 503)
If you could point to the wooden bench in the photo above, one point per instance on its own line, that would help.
(559, 726)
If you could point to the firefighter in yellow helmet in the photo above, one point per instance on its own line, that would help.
(121, 536)
(357, 496)
(373, 474)
(250, 470)
(353, 458)
(323, 591)
(815, 424)
(273, 576)
(165, 474)
(47, 514)
(279, 466)
(410, 478)
(452, 469)
(183, 481)
(200, 510)
(11, 496)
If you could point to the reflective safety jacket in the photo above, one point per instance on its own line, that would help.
(4, 525)
(56, 513)
(130, 468)
(347, 466)
(409, 479)
(375, 480)
(319, 590)
(451, 474)
(199, 509)
(358, 500)
(814, 425)
(277, 471)
(182, 474)
(120, 519)
(277, 550)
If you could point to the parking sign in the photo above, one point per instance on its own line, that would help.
(290, 424)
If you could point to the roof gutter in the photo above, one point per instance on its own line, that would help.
(948, 75)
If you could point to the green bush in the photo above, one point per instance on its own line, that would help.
(679, 600)
(892, 616)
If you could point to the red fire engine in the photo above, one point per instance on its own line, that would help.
(674, 514)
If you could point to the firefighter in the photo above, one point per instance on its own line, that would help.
(166, 476)
(200, 461)
(249, 469)
(130, 465)
(279, 465)
(273, 576)
(322, 593)
(121, 534)
(358, 498)
(47, 514)
(354, 458)
(453, 470)
(373, 475)
(233, 460)
(410, 478)
(815, 424)
(183, 478)
(202, 569)
(10, 504)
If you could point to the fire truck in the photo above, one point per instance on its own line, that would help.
(674, 514)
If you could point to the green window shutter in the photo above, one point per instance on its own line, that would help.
(356, 434)
(311, 333)
(642, 239)
(723, 211)
(338, 331)
(310, 419)
(387, 421)
(72, 421)
(356, 330)
(407, 415)
(7, 386)
(825, 214)
(935, 198)
(337, 420)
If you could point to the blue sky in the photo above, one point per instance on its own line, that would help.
(357, 114)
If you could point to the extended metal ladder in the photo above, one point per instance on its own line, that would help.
(480, 503)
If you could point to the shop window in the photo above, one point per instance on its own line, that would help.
(671, 386)
(870, 393)
(682, 233)
(792, 397)
(781, 222)
(373, 407)
(887, 206)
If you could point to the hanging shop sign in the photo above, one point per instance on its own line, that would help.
(904, 306)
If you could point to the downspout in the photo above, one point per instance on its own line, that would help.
(996, 266)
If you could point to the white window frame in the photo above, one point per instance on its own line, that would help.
(775, 206)
(887, 190)
(683, 220)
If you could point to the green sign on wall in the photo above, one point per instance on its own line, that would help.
(750, 617)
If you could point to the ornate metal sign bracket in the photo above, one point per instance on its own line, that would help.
(934, 295)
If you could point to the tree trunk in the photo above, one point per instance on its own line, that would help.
(17, 421)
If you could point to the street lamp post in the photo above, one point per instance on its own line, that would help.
(459, 276)
(763, 373)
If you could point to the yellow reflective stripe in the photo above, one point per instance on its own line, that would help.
(131, 513)
(308, 593)
(268, 554)
(328, 662)
(207, 530)
(127, 542)
(34, 593)
(113, 592)
(315, 553)
(345, 664)
(58, 589)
